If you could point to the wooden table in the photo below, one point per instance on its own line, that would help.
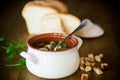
(105, 14)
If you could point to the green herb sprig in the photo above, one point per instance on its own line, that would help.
(13, 50)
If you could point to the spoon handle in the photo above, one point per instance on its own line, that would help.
(83, 24)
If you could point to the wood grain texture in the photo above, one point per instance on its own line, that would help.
(103, 13)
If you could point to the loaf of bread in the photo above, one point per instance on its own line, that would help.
(33, 12)
(46, 16)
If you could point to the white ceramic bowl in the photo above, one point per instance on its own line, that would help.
(52, 64)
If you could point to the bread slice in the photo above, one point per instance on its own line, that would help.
(51, 23)
(69, 22)
(33, 13)
(91, 30)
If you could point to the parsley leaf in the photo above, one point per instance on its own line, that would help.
(20, 47)
(22, 63)
(13, 50)
(9, 58)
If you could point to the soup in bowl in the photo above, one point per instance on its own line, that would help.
(47, 63)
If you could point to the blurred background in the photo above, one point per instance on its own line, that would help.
(105, 13)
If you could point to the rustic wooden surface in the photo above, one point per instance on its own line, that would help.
(103, 13)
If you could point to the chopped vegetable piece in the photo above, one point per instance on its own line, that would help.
(50, 46)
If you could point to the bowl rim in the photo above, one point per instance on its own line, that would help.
(54, 35)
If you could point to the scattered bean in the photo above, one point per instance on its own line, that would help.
(84, 77)
(93, 62)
